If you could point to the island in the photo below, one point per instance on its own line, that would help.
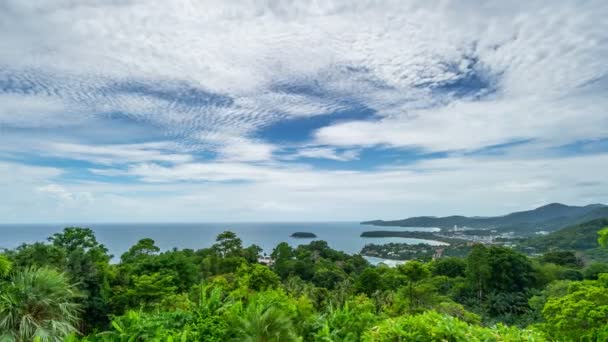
(303, 235)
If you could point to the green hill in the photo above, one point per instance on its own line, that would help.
(550, 217)
(578, 237)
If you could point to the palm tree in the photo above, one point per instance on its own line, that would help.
(37, 304)
(259, 323)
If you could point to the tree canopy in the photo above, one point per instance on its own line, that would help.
(68, 289)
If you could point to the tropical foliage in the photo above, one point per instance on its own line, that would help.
(70, 290)
(38, 303)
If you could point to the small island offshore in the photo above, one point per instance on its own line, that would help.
(303, 235)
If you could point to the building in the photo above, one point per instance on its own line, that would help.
(438, 253)
(265, 260)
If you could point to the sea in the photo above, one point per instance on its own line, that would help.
(118, 237)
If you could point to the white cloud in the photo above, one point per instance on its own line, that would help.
(212, 75)
(386, 55)
(57, 190)
(22, 110)
(325, 153)
(21, 200)
(234, 148)
(65, 196)
(213, 171)
(465, 125)
(119, 153)
(247, 150)
(15, 173)
(232, 191)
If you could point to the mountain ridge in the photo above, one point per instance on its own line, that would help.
(549, 217)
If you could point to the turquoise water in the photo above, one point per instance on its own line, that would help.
(119, 237)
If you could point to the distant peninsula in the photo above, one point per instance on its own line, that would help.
(303, 235)
(549, 218)
(411, 235)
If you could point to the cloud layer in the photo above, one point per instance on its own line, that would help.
(325, 109)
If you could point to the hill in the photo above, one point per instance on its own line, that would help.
(577, 237)
(550, 217)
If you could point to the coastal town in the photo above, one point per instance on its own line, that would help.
(456, 241)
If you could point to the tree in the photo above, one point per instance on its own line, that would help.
(562, 258)
(603, 237)
(325, 295)
(434, 327)
(415, 271)
(499, 269)
(283, 256)
(369, 281)
(252, 253)
(478, 270)
(39, 254)
(150, 290)
(87, 264)
(282, 252)
(581, 314)
(355, 264)
(510, 271)
(594, 270)
(228, 244)
(348, 322)
(450, 267)
(320, 248)
(506, 305)
(179, 264)
(151, 326)
(258, 277)
(328, 276)
(76, 238)
(210, 326)
(263, 321)
(143, 248)
(38, 303)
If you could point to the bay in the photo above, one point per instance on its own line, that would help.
(118, 237)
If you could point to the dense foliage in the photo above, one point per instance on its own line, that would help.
(68, 289)
(579, 237)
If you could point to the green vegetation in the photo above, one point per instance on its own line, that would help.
(577, 237)
(37, 303)
(603, 237)
(5, 266)
(584, 238)
(67, 290)
(399, 251)
(579, 313)
(421, 251)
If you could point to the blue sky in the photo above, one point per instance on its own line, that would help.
(299, 111)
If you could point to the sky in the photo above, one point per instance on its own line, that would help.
(206, 111)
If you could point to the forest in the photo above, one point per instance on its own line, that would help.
(70, 289)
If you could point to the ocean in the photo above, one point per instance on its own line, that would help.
(118, 237)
